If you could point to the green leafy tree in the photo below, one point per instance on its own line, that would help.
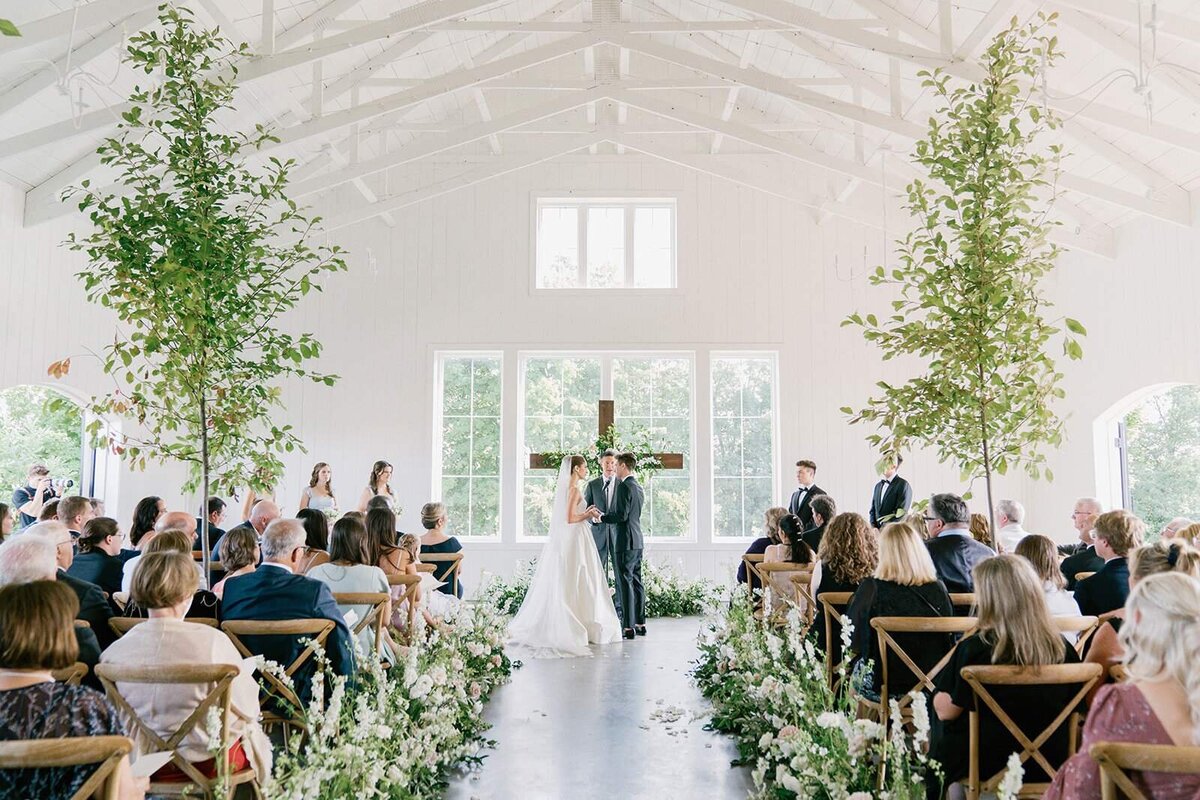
(1163, 436)
(198, 253)
(968, 302)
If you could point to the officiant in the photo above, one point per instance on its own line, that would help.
(599, 493)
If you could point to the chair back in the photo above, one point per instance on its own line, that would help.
(963, 603)
(1083, 628)
(105, 752)
(451, 574)
(1119, 674)
(1079, 576)
(404, 580)
(1117, 758)
(802, 587)
(912, 651)
(833, 604)
(984, 681)
(788, 570)
(754, 578)
(317, 630)
(122, 625)
(377, 618)
(71, 675)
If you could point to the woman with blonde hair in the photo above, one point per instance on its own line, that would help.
(1014, 628)
(905, 584)
(981, 530)
(435, 541)
(1160, 703)
(759, 546)
(848, 554)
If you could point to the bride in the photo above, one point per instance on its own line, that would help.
(568, 603)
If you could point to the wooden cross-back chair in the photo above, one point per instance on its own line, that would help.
(982, 678)
(832, 605)
(105, 752)
(71, 675)
(767, 569)
(317, 630)
(886, 629)
(1080, 576)
(1120, 673)
(222, 676)
(802, 584)
(963, 603)
(452, 572)
(1117, 758)
(754, 578)
(1083, 628)
(122, 625)
(410, 584)
(377, 618)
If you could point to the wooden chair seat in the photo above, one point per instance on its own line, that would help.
(71, 675)
(1117, 759)
(452, 572)
(105, 752)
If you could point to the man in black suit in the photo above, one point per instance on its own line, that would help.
(626, 519)
(823, 510)
(1081, 555)
(215, 509)
(801, 502)
(93, 607)
(275, 591)
(951, 546)
(599, 493)
(74, 512)
(1117, 534)
(892, 496)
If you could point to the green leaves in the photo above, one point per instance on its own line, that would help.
(8, 28)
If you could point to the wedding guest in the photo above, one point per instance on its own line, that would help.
(378, 486)
(848, 555)
(145, 516)
(1081, 555)
(1190, 534)
(215, 510)
(771, 521)
(1042, 555)
(262, 514)
(905, 584)
(384, 550)
(6, 521)
(806, 491)
(916, 521)
(164, 585)
(240, 555)
(97, 506)
(350, 571)
(275, 591)
(1117, 533)
(1010, 515)
(253, 498)
(93, 606)
(981, 530)
(316, 538)
(184, 525)
(318, 495)
(204, 603)
(788, 547)
(823, 509)
(892, 496)
(98, 559)
(380, 524)
(955, 554)
(36, 637)
(74, 512)
(1172, 528)
(1159, 703)
(49, 511)
(437, 541)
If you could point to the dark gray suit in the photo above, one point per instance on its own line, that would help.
(603, 534)
(626, 519)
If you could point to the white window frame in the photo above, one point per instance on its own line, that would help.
(606, 392)
(439, 360)
(630, 202)
(713, 357)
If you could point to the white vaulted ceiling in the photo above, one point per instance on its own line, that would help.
(817, 101)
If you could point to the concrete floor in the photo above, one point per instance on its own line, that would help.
(624, 724)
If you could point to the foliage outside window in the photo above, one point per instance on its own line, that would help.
(469, 474)
(743, 444)
(1162, 438)
(35, 433)
(603, 243)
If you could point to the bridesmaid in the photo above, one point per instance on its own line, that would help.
(378, 485)
(318, 495)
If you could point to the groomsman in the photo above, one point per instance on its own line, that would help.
(892, 496)
(599, 493)
(801, 502)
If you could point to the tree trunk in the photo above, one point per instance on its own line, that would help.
(205, 554)
(987, 460)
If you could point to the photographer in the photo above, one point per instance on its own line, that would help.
(38, 490)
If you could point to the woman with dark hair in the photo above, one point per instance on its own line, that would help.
(350, 571)
(97, 560)
(318, 495)
(316, 538)
(848, 555)
(145, 515)
(378, 485)
(6, 521)
(788, 546)
(381, 538)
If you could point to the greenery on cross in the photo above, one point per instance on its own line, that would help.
(968, 301)
(199, 252)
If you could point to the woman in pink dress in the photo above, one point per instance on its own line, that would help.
(1160, 703)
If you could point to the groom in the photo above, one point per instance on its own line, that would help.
(625, 515)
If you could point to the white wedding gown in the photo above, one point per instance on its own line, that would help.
(568, 604)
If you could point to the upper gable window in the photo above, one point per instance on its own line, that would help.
(605, 243)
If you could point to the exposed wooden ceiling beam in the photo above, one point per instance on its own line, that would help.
(81, 17)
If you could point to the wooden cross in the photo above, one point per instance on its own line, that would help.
(607, 416)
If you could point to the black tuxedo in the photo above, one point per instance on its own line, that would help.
(1085, 559)
(954, 557)
(1105, 591)
(812, 536)
(802, 508)
(889, 504)
(602, 533)
(626, 519)
(93, 608)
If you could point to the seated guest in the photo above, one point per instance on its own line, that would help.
(24, 559)
(97, 506)
(1010, 515)
(36, 621)
(262, 514)
(275, 591)
(1015, 628)
(1081, 555)
(1159, 703)
(1117, 533)
(351, 571)
(204, 603)
(789, 547)
(848, 555)
(436, 542)
(1172, 528)
(1190, 534)
(823, 510)
(951, 547)
(93, 607)
(981, 530)
(165, 584)
(916, 521)
(239, 555)
(49, 511)
(904, 585)
(6, 521)
(316, 541)
(179, 521)
(145, 516)
(1042, 555)
(215, 509)
(97, 561)
(759, 546)
(74, 512)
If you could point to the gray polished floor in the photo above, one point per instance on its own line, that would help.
(625, 724)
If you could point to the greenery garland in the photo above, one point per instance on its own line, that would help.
(636, 442)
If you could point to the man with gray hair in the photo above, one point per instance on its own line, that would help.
(25, 559)
(953, 550)
(1172, 528)
(1009, 516)
(1081, 554)
(275, 591)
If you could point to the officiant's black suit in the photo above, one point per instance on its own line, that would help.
(626, 519)
(888, 498)
(603, 534)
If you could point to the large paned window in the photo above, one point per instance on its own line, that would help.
(605, 243)
(469, 448)
(743, 443)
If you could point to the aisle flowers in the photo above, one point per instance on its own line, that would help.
(768, 688)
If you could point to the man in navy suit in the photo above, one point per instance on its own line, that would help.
(1117, 534)
(275, 592)
(951, 546)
